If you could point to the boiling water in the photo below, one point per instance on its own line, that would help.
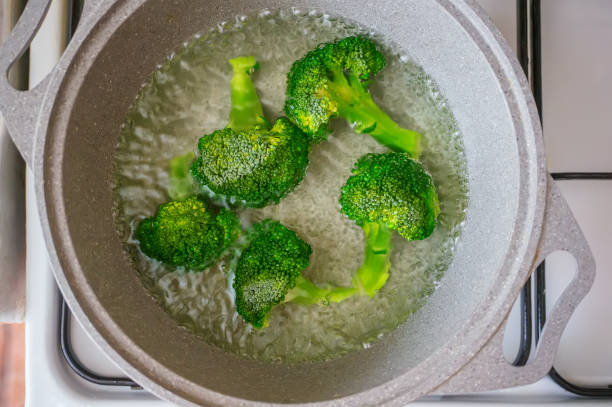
(188, 96)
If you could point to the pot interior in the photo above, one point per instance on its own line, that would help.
(100, 85)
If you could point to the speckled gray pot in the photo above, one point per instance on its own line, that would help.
(67, 127)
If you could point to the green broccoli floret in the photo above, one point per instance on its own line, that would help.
(253, 167)
(269, 273)
(387, 192)
(187, 233)
(332, 81)
(248, 162)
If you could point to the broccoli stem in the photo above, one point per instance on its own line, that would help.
(306, 292)
(246, 112)
(181, 184)
(356, 105)
(370, 119)
(374, 271)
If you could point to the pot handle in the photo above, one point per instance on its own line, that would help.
(20, 108)
(489, 370)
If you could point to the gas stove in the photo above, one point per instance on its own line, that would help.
(564, 47)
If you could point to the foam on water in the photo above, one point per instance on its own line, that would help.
(188, 96)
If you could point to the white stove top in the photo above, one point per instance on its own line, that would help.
(577, 82)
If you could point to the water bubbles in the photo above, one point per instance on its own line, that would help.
(326, 22)
(238, 22)
(221, 26)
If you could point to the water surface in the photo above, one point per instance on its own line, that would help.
(188, 96)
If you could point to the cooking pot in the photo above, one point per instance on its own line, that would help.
(67, 127)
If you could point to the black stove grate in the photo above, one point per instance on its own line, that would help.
(528, 16)
(73, 361)
(522, 41)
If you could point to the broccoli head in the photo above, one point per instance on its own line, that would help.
(332, 81)
(394, 190)
(254, 167)
(187, 233)
(269, 272)
(387, 192)
(248, 162)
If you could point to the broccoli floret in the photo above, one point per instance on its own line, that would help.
(387, 192)
(332, 81)
(269, 273)
(187, 233)
(267, 269)
(254, 167)
(249, 162)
